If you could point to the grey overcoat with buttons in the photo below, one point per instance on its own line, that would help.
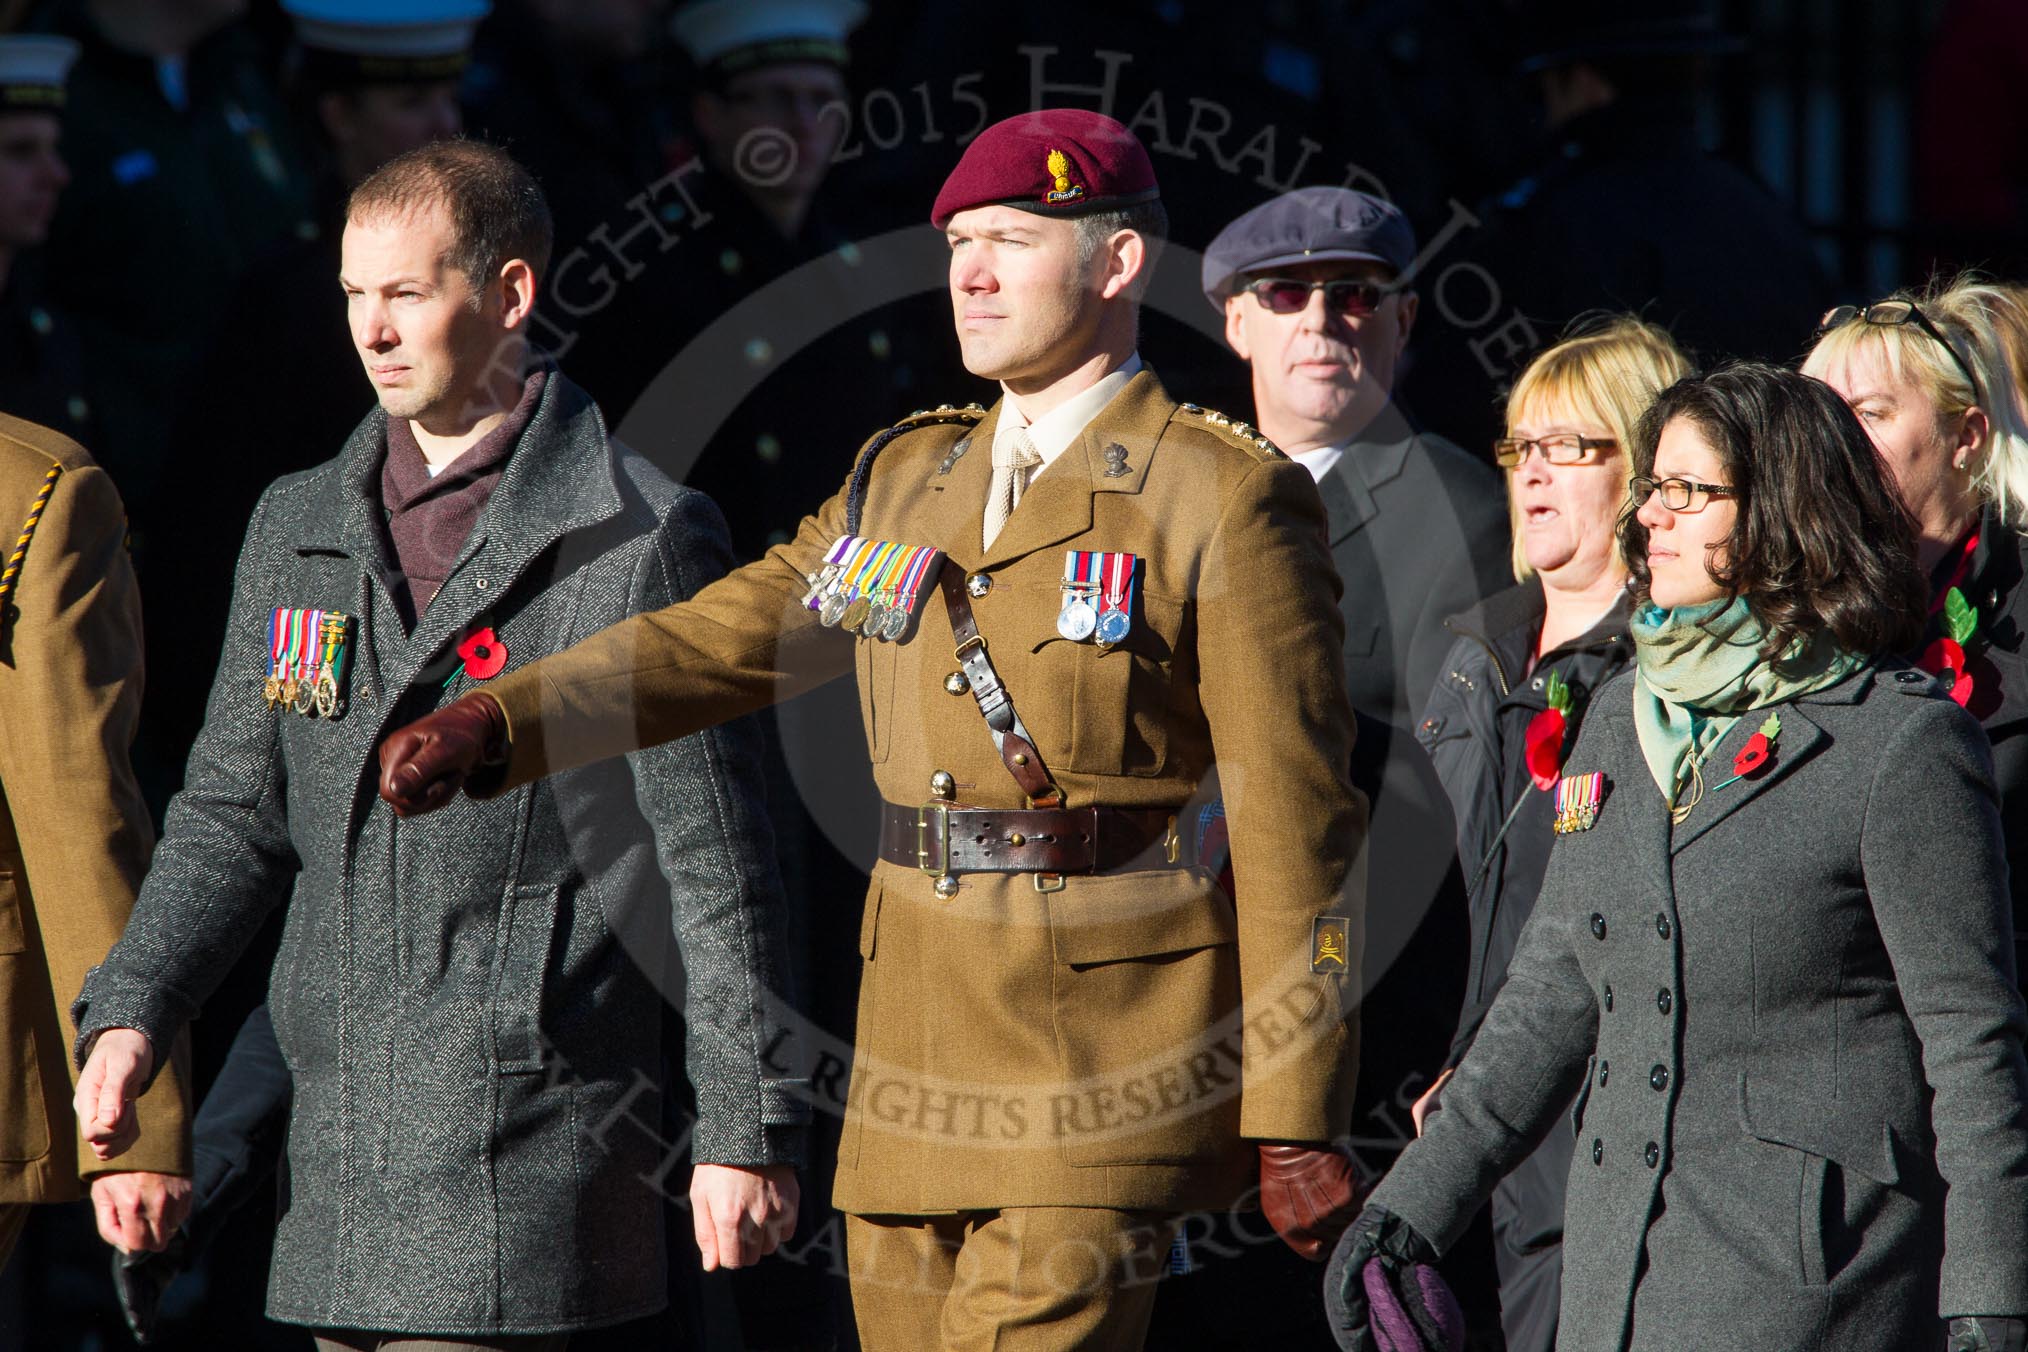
(468, 1001)
(1792, 1027)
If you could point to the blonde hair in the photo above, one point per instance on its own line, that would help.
(1606, 370)
(1987, 325)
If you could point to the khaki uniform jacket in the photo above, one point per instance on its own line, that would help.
(1109, 1044)
(74, 833)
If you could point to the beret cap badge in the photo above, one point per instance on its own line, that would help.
(1063, 190)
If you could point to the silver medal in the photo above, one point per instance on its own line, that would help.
(1077, 619)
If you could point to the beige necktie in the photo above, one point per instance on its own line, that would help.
(1013, 458)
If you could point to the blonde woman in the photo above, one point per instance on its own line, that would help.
(1514, 690)
(1936, 377)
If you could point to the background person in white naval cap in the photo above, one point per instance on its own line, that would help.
(42, 371)
(767, 84)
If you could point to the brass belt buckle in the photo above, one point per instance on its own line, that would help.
(940, 814)
(1048, 882)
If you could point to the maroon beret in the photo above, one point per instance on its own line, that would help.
(1054, 162)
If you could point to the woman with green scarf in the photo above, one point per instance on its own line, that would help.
(1773, 954)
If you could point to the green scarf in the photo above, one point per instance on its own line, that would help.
(1698, 670)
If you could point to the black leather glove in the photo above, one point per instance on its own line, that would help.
(1987, 1333)
(141, 1279)
(1382, 1235)
(1310, 1194)
(423, 765)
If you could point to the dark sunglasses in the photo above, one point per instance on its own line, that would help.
(1891, 314)
(1343, 295)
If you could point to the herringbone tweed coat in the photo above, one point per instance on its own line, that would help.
(468, 1002)
(1791, 1029)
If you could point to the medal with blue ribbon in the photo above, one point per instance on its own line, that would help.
(1079, 616)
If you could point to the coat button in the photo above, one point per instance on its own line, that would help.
(1662, 925)
(1597, 1151)
(978, 584)
(1597, 925)
(1909, 677)
(1604, 1069)
(1658, 1078)
(957, 683)
(1663, 1000)
(1653, 1154)
(1609, 997)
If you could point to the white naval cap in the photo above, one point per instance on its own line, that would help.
(386, 41)
(726, 37)
(33, 67)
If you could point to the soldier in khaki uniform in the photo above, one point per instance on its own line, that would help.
(1067, 1034)
(74, 837)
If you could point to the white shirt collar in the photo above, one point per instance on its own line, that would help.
(1057, 430)
(1320, 460)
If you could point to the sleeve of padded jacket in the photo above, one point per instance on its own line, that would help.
(225, 859)
(1522, 1071)
(72, 686)
(1272, 686)
(704, 797)
(1936, 872)
(740, 644)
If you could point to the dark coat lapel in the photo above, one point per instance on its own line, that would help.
(1799, 740)
(1644, 816)
(560, 479)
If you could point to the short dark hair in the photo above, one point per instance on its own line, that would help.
(1822, 543)
(496, 208)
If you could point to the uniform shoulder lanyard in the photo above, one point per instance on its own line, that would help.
(1010, 735)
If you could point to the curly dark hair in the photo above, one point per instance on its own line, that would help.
(1822, 542)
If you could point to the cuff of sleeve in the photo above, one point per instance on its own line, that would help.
(107, 1002)
(519, 696)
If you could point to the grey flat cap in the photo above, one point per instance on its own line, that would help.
(1309, 225)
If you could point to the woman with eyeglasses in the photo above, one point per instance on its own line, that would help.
(1771, 960)
(1937, 381)
(1513, 694)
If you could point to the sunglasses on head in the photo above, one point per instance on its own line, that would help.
(1891, 314)
(1343, 295)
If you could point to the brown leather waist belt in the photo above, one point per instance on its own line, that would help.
(940, 839)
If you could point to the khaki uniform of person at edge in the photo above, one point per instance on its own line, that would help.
(1067, 1034)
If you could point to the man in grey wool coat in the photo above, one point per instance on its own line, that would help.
(468, 1004)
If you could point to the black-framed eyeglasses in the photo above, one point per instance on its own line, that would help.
(1891, 314)
(1678, 495)
(1560, 448)
(1347, 296)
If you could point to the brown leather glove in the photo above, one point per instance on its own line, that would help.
(423, 765)
(1310, 1194)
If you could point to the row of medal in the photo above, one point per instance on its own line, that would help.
(1577, 801)
(1098, 596)
(869, 587)
(308, 653)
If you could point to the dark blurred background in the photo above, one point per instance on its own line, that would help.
(748, 325)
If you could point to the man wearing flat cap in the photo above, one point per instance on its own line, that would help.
(1062, 614)
(1314, 289)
